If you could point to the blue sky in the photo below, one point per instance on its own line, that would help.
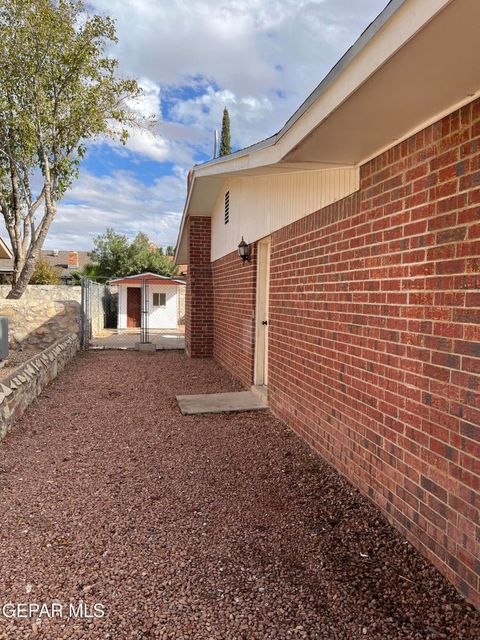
(260, 58)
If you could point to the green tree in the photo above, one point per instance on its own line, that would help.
(143, 256)
(139, 254)
(45, 273)
(225, 143)
(109, 257)
(59, 88)
(161, 264)
(170, 251)
(113, 256)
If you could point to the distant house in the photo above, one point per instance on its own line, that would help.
(6, 256)
(67, 261)
(157, 298)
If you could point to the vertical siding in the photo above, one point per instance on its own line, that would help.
(122, 307)
(163, 317)
(260, 205)
(159, 317)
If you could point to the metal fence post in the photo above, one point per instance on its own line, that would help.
(82, 314)
(144, 331)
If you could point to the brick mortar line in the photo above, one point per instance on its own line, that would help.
(287, 243)
(381, 377)
(403, 371)
(346, 420)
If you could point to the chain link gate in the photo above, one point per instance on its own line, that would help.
(105, 317)
(95, 310)
(99, 311)
(144, 333)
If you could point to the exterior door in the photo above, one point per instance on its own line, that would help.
(261, 343)
(134, 298)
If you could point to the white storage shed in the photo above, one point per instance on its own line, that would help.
(148, 295)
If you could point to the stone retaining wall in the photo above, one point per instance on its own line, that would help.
(28, 380)
(42, 315)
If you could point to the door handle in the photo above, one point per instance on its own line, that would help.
(265, 322)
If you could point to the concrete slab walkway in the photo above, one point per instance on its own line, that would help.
(206, 527)
(163, 339)
(220, 402)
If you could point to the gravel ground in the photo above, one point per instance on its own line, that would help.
(203, 527)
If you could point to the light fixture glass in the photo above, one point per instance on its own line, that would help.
(244, 250)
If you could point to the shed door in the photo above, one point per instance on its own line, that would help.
(134, 296)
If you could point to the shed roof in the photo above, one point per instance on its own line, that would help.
(150, 278)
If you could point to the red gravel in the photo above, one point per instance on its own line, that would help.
(202, 527)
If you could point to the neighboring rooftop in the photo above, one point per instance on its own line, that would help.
(66, 261)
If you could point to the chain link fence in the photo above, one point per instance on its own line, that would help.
(125, 313)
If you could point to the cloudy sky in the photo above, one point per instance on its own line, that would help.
(259, 58)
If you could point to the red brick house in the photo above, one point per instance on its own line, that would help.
(362, 218)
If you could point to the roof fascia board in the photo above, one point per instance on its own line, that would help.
(143, 275)
(180, 238)
(410, 17)
(331, 76)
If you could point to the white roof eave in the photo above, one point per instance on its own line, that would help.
(388, 34)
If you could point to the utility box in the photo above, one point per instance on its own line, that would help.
(3, 337)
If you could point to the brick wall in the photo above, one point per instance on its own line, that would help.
(374, 338)
(234, 314)
(199, 296)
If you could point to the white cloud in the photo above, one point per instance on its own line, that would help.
(148, 104)
(249, 47)
(204, 113)
(260, 58)
(146, 140)
(148, 144)
(123, 202)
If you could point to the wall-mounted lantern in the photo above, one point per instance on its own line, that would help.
(244, 250)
